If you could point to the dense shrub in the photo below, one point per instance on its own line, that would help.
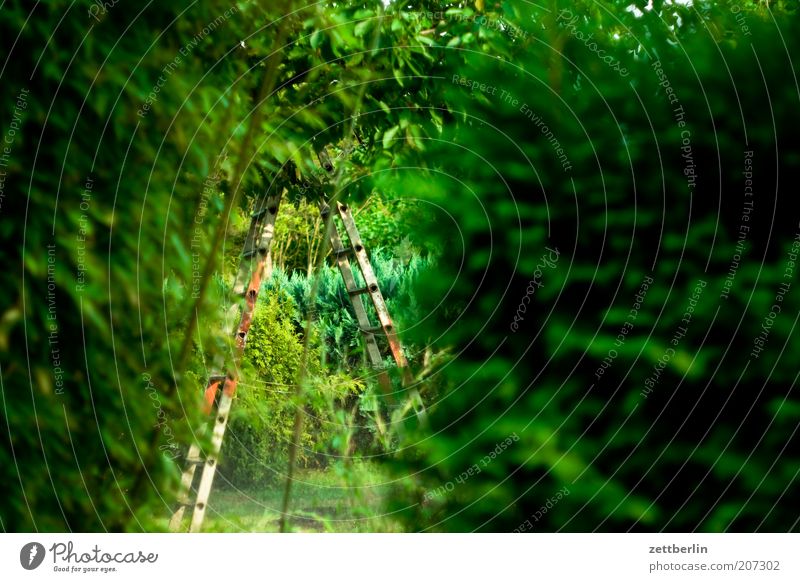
(257, 443)
(93, 198)
(333, 311)
(669, 428)
(134, 134)
(522, 138)
(339, 398)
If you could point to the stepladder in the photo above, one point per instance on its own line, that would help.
(220, 392)
(366, 284)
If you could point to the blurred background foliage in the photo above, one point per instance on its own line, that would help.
(460, 192)
(710, 447)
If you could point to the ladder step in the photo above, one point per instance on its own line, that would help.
(360, 290)
(271, 209)
(250, 253)
(374, 329)
(325, 160)
(342, 251)
(195, 461)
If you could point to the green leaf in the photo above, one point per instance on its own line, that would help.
(388, 136)
(362, 28)
(316, 39)
(398, 75)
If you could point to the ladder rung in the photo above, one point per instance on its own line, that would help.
(271, 209)
(325, 160)
(342, 251)
(258, 213)
(368, 289)
(252, 252)
(195, 460)
(375, 329)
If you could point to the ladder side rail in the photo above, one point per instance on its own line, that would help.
(357, 301)
(252, 265)
(210, 465)
(371, 281)
(351, 287)
(381, 309)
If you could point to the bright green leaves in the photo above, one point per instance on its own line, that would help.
(363, 28)
(389, 135)
(316, 39)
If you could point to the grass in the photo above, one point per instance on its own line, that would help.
(344, 499)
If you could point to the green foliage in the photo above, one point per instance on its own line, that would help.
(299, 237)
(153, 107)
(704, 448)
(275, 349)
(345, 497)
(256, 447)
(114, 194)
(339, 409)
(390, 225)
(333, 312)
(94, 197)
(395, 226)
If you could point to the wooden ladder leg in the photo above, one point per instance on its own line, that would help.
(355, 294)
(252, 269)
(194, 457)
(210, 465)
(187, 478)
(373, 290)
(258, 241)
